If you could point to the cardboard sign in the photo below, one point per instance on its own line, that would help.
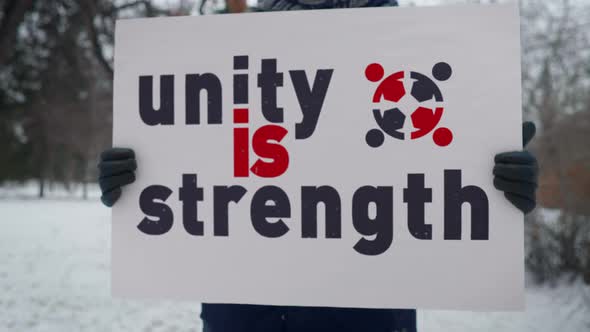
(320, 158)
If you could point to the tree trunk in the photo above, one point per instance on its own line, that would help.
(41, 187)
(84, 189)
(13, 14)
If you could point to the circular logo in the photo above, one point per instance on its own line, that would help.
(393, 105)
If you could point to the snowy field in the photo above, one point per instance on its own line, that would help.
(54, 276)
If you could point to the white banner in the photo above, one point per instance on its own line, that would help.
(320, 158)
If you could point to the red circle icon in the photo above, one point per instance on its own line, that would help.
(442, 136)
(374, 72)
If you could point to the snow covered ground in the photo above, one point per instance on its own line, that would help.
(54, 276)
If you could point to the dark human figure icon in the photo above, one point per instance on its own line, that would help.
(424, 119)
(424, 88)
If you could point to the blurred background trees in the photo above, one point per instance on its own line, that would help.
(56, 85)
(556, 95)
(56, 104)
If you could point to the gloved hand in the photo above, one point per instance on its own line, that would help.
(516, 173)
(116, 169)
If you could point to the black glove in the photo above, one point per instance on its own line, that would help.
(115, 170)
(516, 173)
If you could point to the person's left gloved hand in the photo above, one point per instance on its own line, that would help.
(516, 173)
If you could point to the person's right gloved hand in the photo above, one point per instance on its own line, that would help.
(116, 169)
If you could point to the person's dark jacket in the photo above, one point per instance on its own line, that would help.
(255, 318)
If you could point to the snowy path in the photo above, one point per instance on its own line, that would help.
(54, 276)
